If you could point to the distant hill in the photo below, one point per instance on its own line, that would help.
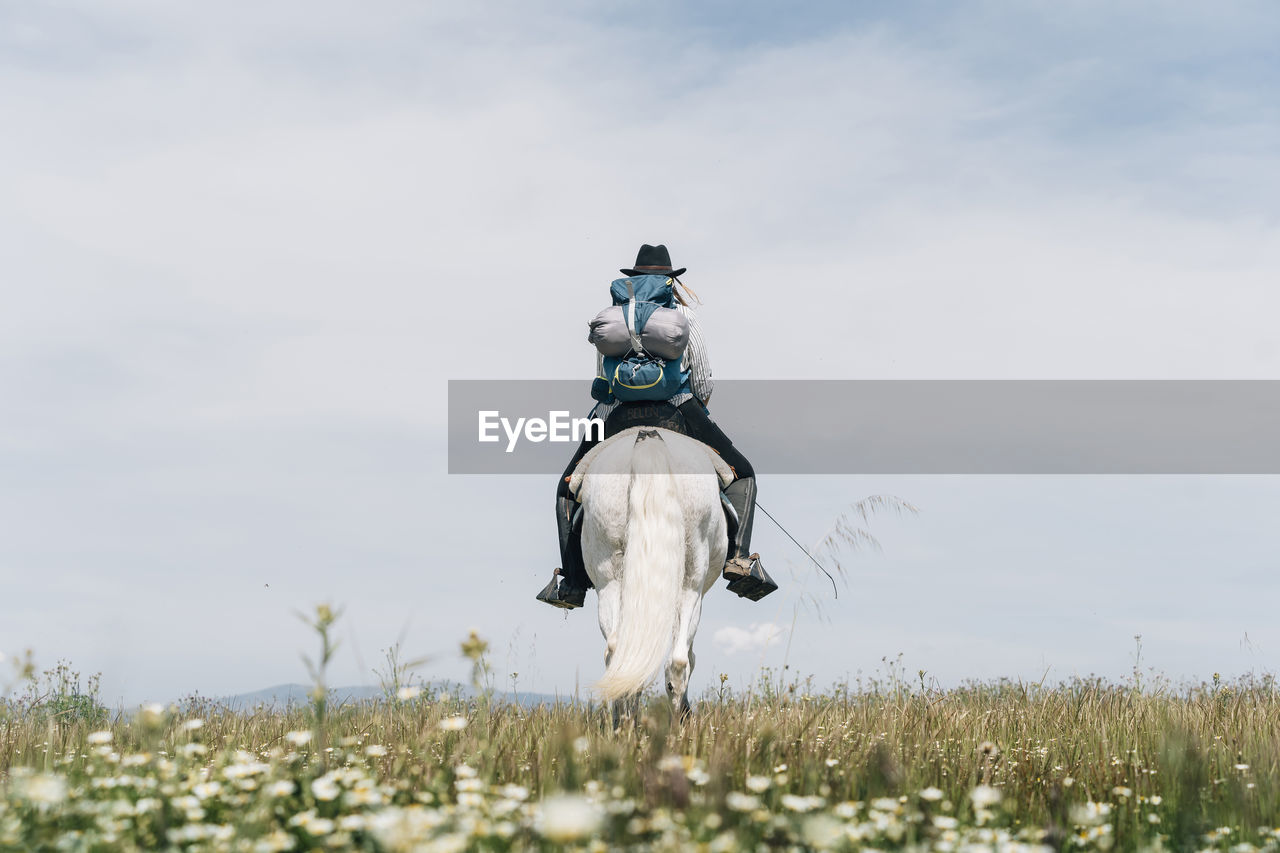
(289, 695)
(284, 696)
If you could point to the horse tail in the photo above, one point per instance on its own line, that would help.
(652, 570)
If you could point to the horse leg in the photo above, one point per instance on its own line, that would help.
(680, 663)
(610, 601)
(626, 709)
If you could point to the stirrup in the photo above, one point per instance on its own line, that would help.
(748, 578)
(559, 594)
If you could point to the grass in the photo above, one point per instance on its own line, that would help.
(1079, 765)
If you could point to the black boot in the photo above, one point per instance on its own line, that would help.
(745, 573)
(569, 585)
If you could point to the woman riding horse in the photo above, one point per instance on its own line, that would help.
(743, 569)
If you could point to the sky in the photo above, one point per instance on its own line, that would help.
(245, 246)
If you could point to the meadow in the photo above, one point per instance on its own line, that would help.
(884, 763)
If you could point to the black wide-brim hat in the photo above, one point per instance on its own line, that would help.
(653, 260)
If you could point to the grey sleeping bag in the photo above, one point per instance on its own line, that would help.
(665, 335)
(609, 333)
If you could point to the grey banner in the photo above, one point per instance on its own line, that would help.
(914, 427)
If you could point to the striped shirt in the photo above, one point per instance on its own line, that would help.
(695, 361)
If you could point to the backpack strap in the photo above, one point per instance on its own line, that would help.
(631, 318)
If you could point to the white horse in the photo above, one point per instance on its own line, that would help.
(654, 540)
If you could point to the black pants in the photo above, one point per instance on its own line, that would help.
(698, 424)
(704, 429)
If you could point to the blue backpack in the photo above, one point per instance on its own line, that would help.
(639, 375)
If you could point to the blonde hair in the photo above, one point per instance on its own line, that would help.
(688, 291)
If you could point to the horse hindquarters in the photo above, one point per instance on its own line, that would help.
(704, 520)
(652, 573)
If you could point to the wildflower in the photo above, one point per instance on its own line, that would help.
(758, 784)
(1242, 766)
(244, 769)
(781, 768)
(698, 776)
(1121, 791)
(822, 831)
(518, 793)
(205, 790)
(568, 818)
(375, 750)
(318, 826)
(988, 749)
(282, 788)
(192, 750)
(451, 842)
(99, 738)
(943, 821)
(43, 790)
(364, 794)
(847, 810)
(725, 842)
(740, 802)
(409, 692)
(1090, 813)
(581, 744)
(325, 788)
(276, 842)
(801, 804)
(985, 795)
(885, 804)
(1213, 836)
(474, 647)
(197, 832)
(464, 771)
(324, 616)
(301, 737)
(453, 724)
(832, 762)
(931, 794)
(352, 822)
(193, 724)
(152, 716)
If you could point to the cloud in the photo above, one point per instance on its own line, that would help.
(247, 246)
(755, 637)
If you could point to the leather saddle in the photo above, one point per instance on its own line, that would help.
(655, 414)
